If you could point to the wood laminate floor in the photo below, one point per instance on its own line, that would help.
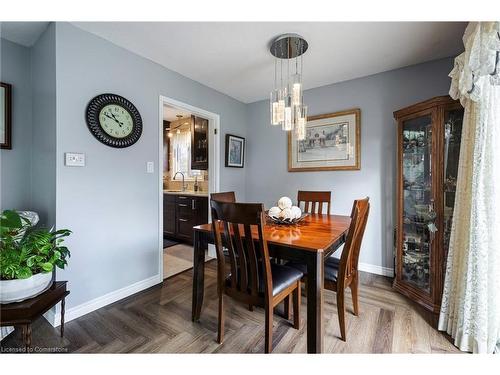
(158, 320)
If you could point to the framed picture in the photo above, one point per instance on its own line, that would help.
(333, 142)
(5, 116)
(235, 151)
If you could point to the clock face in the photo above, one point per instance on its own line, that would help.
(116, 121)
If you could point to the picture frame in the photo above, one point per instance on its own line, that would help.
(333, 143)
(235, 151)
(5, 116)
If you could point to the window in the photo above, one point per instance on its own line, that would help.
(181, 156)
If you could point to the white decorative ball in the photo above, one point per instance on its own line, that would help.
(286, 213)
(274, 211)
(296, 212)
(285, 202)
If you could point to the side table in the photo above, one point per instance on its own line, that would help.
(24, 313)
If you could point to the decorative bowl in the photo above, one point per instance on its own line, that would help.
(277, 220)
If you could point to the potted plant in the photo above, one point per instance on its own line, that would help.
(28, 256)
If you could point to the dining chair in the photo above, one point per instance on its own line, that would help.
(227, 196)
(314, 201)
(343, 273)
(251, 278)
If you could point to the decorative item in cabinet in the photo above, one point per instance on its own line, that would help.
(428, 151)
(199, 143)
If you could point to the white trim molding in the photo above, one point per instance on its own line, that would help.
(213, 162)
(377, 270)
(54, 318)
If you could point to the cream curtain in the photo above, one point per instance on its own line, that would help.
(470, 309)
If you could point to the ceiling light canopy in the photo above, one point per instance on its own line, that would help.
(286, 103)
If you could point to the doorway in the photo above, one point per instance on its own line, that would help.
(189, 153)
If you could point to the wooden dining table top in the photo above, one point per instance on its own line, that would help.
(315, 232)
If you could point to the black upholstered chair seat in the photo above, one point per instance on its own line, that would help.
(283, 277)
(332, 266)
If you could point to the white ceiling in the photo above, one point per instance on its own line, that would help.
(24, 33)
(234, 58)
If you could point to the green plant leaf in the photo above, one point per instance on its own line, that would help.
(23, 273)
(10, 219)
(31, 261)
(46, 267)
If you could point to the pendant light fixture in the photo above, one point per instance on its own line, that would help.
(287, 103)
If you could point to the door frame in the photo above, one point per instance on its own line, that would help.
(213, 160)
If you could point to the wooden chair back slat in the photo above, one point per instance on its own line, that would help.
(314, 201)
(364, 209)
(236, 221)
(252, 257)
(232, 255)
(350, 253)
(242, 259)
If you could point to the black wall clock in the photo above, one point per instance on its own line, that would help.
(114, 120)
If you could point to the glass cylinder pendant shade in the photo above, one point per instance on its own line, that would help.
(288, 120)
(274, 108)
(281, 106)
(287, 123)
(301, 123)
(296, 90)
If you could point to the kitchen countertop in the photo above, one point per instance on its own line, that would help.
(187, 192)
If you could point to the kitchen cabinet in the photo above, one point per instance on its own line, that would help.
(169, 215)
(199, 143)
(181, 212)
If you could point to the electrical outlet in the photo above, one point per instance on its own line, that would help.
(72, 159)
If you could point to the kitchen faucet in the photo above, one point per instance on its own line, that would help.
(182, 174)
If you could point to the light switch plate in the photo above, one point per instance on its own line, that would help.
(150, 167)
(73, 159)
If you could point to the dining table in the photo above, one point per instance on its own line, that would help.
(310, 241)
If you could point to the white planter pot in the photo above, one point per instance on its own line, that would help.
(20, 289)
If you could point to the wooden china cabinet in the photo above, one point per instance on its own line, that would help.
(428, 148)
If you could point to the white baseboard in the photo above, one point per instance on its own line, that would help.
(378, 270)
(97, 303)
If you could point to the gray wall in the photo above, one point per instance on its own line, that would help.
(43, 62)
(112, 203)
(377, 96)
(15, 186)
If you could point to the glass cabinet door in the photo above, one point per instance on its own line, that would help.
(452, 137)
(199, 146)
(417, 202)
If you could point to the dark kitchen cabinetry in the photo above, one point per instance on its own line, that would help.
(199, 143)
(169, 215)
(181, 213)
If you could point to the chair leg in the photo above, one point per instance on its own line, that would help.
(220, 335)
(288, 308)
(296, 307)
(250, 307)
(341, 313)
(269, 329)
(354, 293)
